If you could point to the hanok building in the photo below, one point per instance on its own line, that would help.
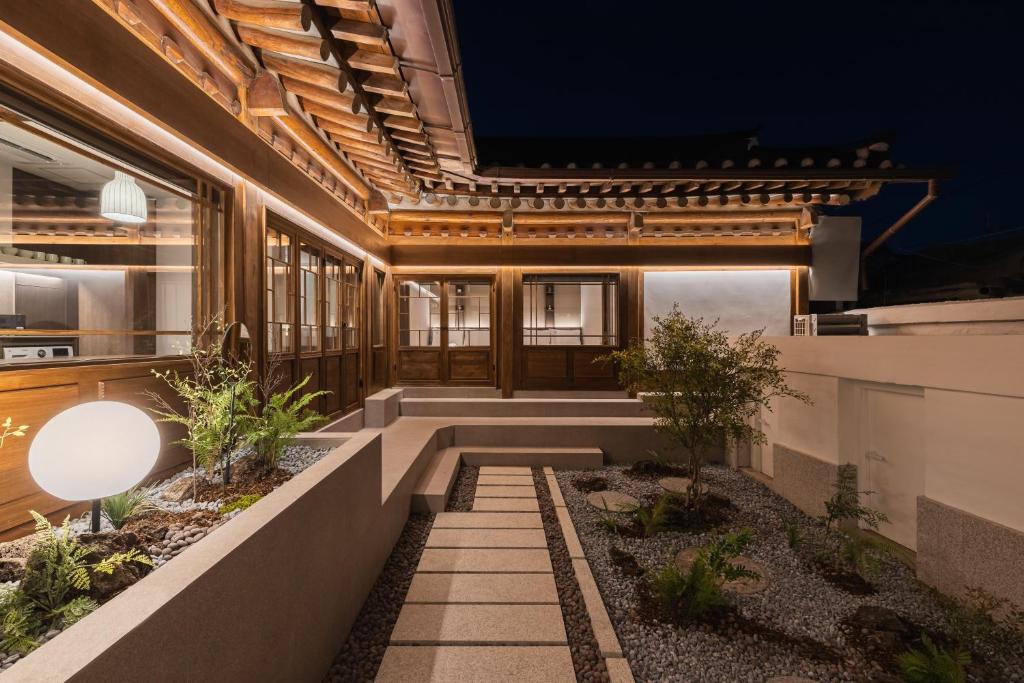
(309, 169)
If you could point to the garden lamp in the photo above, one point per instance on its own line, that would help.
(94, 450)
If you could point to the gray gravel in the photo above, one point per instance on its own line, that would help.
(361, 655)
(464, 490)
(798, 602)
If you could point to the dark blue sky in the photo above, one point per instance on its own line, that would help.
(946, 79)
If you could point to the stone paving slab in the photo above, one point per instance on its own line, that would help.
(490, 560)
(527, 589)
(486, 538)
(459, 664)
(499, 469)
(479, 625)
(556, 492)
(504, 480)
(505, 505)
(506, 492)
(488, 520)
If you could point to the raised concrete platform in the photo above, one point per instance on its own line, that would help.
(486, 538)
(488, 520)
(521, 407)
(455, 664)
(382, 408)
(506, 505)
(433, 488)
(479, 625)
(526, 589)
(485, 560)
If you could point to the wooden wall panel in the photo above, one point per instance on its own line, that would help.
(469, 365)
(350, 381)
(332, 382)
(133, 390)
(419, 365)
(541, 365)
(585, 365)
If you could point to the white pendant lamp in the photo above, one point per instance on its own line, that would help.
(122, 201)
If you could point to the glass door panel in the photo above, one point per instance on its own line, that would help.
(419, 313)
(469, 313)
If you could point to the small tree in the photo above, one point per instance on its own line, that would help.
(702, 386)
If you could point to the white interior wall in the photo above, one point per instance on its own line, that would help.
(741, 300)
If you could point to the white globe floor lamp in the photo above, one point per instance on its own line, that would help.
(94, 450)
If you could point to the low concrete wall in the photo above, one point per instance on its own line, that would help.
(957, 550)
(803, 479)
(382, 408)
(270, 596)
(981, 316)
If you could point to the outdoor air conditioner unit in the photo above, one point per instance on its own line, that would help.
(829, 324)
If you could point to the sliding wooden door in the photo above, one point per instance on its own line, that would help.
(444, 330)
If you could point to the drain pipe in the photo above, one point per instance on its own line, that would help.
(903, 220)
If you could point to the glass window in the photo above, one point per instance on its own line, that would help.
(280, 296)
(309, 298)
(469, 313)
(419, 313)
(351, 310)
(96, 260)
(333, 298)
(569, 310)
(377, 305)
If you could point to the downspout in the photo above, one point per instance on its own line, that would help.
(903, 220)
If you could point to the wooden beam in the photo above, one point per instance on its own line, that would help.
(353, 121)
(284, 15)
(354, 5)
(344, 102)
(287, 43)
(367, 148)
(394, 105)
(322, 75)
(404, 123)
(361, 32)
(374, 137)
(197, 27)
(364, 60)
(322, 152)
(264, 96)
(413, 138)
(382, 84)
(363, 159)
(407, 216)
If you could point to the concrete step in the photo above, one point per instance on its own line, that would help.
(479, 625)
(432, 490)
(451, 392)
(488, 520)
(506, 492)
(524, 589)
(457, 664)
(505, 505)
(521, 407)
(498, 469)
(505, 480)
(486, 538)
(562, 458)
(485, 560)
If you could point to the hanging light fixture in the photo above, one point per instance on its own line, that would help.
(122, 201)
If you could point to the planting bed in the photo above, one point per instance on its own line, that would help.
(804, 623)
(162, 533)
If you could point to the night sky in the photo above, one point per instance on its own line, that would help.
(945, 80)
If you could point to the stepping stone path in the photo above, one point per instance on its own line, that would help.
(612, 501)
(679, 485)
(482, 605)
(743, 586)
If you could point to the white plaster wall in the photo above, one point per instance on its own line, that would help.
(975, 447)
(980, 317)
(741, 300)
(973, 408)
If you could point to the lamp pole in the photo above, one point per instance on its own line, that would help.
(95, 517)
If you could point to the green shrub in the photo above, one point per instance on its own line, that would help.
(932, 664)
(691, 594)
(282, 416)
(652, 518)
(844, 505)
(240, 503)
(793, 536)
(718, 556)
(608, 520)
(979, 616)
(52, 592)
(121, 507)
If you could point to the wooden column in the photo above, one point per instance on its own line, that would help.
(507, 331)
(245, 285)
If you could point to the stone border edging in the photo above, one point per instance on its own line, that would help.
(600, 623)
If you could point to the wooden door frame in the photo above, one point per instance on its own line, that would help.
(443, 279)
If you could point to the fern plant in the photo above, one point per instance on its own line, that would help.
(608, 519)
(121, 507)
(718, 556)
(52, 592)
(691, 594)
(652, 518)
(282, 416)
(933, 664)
(845, 505)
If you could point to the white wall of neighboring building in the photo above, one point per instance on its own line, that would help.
(741, 300)
(980, 316)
